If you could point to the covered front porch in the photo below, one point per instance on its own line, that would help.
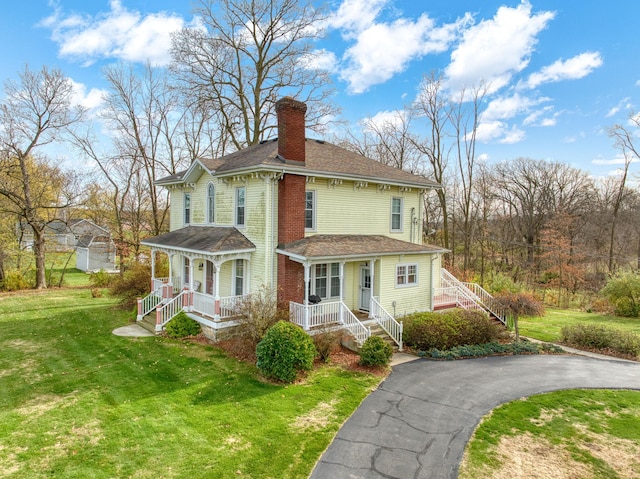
(209, 269)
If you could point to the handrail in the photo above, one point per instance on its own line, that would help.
(387, 322)
(148, 303)
(475, 293)
(334, 312)
(167, 311)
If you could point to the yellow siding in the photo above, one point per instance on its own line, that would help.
(408, 299)
(346, 209)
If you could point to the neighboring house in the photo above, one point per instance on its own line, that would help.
(94, 247)
(95, 253)
(335, 232)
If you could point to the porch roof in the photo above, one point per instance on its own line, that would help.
(203, 239)
(319, 247)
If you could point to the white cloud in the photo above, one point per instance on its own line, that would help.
(503, 108)
(494, 50)
(513, 135)
(384, 118)
(92, 99)
(119, 33)
(320, 60)
(624, 104)
(383, 49)
(620, 160)
(571, 69)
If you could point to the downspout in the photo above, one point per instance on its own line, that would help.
(433, 258)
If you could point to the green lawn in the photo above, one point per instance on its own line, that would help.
(79, 402)
(574, 433)
(548, 327)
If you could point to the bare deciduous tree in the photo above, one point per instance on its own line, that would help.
(35, 112)
(245, 56)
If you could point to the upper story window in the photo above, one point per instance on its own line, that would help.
(310, 210)
(211, 204)
(187, 208)
(240, 206)
(396, 214)
(406, 275)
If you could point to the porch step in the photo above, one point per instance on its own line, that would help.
(376, 330)
(148, 322)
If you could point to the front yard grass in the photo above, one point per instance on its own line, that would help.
(548, 327)
(79, 402)
(573, 433)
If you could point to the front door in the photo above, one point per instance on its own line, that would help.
(365, 288)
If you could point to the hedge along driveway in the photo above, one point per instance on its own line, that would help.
(417, 423)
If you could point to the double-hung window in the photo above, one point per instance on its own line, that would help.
(187, 208)
(240, 206)
(406, 275)
(187, 272)
(396, 214)
(211, 204)
(310, 210)
(326, 280)
(239, 277)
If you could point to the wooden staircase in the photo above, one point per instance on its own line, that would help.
(148, 322)
(376, 330)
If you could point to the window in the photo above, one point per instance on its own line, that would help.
(209, 278)
(211, 204)
(240, 206)
(406, 275)
(187, 208)
(326, 280)
(187, 271)
(310, 210)
(239, 278)
(396, 214)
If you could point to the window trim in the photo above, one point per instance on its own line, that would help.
(211, 204)
(241, 277)
(186, 208)
(329, 277)
(237, 206)
(313, 210)
(399, 214)
(406, 274)
(186, 271)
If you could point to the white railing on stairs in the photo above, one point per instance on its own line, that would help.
(470, 295)
(167, 311)
(387, 322)
(334, 312)
(149, 303)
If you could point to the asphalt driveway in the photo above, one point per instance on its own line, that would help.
(417, 423)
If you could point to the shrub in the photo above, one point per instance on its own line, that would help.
(445, 330)
(624, 292)
(326, 341)
(133, 284)
(182, 326)
(100, 279)
(596, 336)
(284, 351)
(375, 352)
(14, 280)
(97, 293)
(257, 313)
(490, 349)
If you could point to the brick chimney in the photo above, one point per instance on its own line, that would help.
(291, 196)
(291, 129)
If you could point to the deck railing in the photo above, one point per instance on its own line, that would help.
(334, 312)
(387, 322)
(205, 304)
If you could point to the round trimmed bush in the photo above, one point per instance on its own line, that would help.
(375, 352)
(284, 351)
(182, 326)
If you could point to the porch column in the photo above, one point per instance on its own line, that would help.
(171, 269)
(216, 315)
(372, 263)
(153, 268)
(342, 280)
(307, 280)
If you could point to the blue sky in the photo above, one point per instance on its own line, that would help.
(560, 73)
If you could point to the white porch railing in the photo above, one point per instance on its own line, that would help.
(334, 312)
(176, 281)
(149, 303)
(229, 305)
(205, 304)
(165, 312)
(387, 322)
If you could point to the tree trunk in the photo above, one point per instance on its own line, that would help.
(38, 253)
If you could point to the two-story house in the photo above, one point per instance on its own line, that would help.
(333, 231)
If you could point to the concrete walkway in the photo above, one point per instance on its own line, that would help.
(417, 423)
(133, 331)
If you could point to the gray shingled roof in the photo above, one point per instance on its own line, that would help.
(340, 246)
(211, 239)
(321, 159)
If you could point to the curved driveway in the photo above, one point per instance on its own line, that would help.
(417, 423)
